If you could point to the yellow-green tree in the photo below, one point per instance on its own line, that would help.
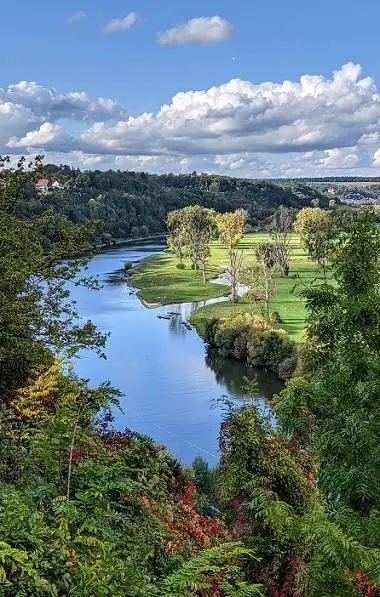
(200, 229)
(315, 229)
(231, 229)
(176, 238)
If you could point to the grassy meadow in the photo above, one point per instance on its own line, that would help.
(160, 281)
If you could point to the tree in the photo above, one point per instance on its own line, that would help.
(200, 227)
(260, 277)
(315, 229)
(231, 230)
(340, 404)
(280, 231)
(177, 239)
(38, 258)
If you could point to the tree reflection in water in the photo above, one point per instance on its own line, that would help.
(232, 373)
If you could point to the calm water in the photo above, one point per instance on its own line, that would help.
(163, 369)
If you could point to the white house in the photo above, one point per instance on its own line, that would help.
(57, 185)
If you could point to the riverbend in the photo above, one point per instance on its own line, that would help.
(162, 367)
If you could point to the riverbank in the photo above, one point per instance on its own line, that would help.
(160, 281)
(121, 242)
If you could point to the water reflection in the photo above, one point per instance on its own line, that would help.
(230, 373)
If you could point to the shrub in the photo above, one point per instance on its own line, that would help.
(276, 347)
(209, 330)
(287, 367)
(275, 318)
(249, 338)
(181, 266)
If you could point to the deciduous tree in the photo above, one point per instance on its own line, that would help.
(280, 231)
(177, 239)
(200, 227)
(231, 230)
(259, 277)
(315, 229)
(39, 257)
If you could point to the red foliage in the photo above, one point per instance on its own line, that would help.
(115, 441)
(184, 523)
(294, 582)
(240, 520)
(77, 455)
(366, 587)
(214, 590)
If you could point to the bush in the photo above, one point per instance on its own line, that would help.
(275, 318)
(209, 330)
(287, 367)
(181, 266)
(249, 338)
(276, 347)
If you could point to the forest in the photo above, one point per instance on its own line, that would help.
(135, 204)
(86, 510)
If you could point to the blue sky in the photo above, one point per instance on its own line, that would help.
(63, 47)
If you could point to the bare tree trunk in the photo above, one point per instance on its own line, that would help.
(71, 459)
(234, 271)
(204, 272)
(267, 312)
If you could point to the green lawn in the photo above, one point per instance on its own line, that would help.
(160, 281)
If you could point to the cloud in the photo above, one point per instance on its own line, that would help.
(48, 135)
(336, 158)
(230, 162)
(313, 113)
(206, 31)
(376, 159)
(77, 17)
(312, 126)
(49, 104)
(120, 24)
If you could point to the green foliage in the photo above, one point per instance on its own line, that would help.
(217, 568)
(135, 204)
(315, 228)
(35, 315)
(249, 338)
(339, 415)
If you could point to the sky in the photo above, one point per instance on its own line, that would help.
(238, 87)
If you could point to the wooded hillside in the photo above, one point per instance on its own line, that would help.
(134, 204)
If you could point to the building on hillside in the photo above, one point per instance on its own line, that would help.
(42, 185)
(57, 186)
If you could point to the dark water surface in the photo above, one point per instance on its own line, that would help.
(163, 369)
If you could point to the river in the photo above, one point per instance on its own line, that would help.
(163, 369)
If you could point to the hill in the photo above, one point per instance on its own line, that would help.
(135, 204)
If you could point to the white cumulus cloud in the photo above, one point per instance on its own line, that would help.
(120, 24)
(48, 135)
(376, 159)
(47, 103)
(201, 30)
(313, 113)
(313, 125)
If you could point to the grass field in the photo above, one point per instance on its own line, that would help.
(160, 281)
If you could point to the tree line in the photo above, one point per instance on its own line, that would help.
(192, 229)
(136, 204)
